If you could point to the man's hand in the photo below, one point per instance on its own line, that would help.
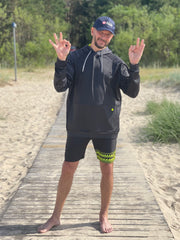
(61, 46)
(136, 51)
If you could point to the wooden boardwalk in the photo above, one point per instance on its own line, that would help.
(134, 213)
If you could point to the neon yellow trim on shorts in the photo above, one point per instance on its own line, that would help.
(106, 157)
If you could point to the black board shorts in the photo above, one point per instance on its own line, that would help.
(76, 146)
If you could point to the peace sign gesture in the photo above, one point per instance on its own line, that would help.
(136, 51)
(61, 46)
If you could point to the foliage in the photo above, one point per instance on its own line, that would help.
(165, 125)
(157, 21)
(156, 5)
(165, 37)
(36, 22)
(81, 17)
(130, 24)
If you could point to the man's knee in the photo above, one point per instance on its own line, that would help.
(69, 167)
(106, 169)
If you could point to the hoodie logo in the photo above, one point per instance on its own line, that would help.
(124, 70)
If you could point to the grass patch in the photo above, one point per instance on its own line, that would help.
(166, 77)
(4, 79)
(173, 80)
(7, 75)
(2, 118)
(164, 125)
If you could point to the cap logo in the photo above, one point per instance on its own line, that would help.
(108, 23)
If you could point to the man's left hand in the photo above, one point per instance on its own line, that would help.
(136, 51)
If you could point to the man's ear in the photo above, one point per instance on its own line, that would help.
(92, 31)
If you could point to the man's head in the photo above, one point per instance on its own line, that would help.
(102, 32)
(105, 23)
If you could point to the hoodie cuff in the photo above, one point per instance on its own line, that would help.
(60, 63)
(134, 67)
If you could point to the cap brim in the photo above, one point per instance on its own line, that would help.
(103, 28)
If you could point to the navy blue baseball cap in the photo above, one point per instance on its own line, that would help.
(105, 23)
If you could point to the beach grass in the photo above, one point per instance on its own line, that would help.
(173, 80)
(2, 118)
(165, 77)
(4, 78)
(164, 126)
(7, 76)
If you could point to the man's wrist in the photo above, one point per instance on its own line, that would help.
(134, 67)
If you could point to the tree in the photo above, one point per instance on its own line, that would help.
(36, 22)
(131, 23)
(81, 16)
(157, 21)
(5, 35)
(156, 5)
(164, 45)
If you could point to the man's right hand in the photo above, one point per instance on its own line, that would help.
(61, 46)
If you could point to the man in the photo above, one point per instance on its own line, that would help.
(94, 77)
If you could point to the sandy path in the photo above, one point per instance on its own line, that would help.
(29, 108)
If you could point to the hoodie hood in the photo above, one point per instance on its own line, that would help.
(98, 54)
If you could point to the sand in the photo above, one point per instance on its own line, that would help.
(28, 108)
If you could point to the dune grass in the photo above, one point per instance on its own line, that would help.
(4, 79)
(2, 118)
(164, 77)
(164, 125)
(173, 80)
(7, 76)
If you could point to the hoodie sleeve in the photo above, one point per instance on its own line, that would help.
(63, 77)
(129, 79)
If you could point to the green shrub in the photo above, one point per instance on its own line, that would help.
(152, 107)
(165, 123)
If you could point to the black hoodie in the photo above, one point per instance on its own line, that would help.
(94, 80)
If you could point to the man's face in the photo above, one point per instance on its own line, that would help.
(101, 39)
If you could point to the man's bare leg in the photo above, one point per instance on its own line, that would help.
(64, 186)
(106, 192)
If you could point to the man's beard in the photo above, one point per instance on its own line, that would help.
(98, 46)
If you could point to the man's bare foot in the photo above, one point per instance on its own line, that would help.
(105, 225)
(51, 222)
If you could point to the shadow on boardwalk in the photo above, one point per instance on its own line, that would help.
(133, 213)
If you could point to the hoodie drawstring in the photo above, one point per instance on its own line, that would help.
(101, 60)
(100, 55)
(86, 61)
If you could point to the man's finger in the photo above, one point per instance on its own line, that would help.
(142, 45)
(137, 43)
(51, 42)
(67, 43)
(142, 42)
(60, 36)
(55, 37)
